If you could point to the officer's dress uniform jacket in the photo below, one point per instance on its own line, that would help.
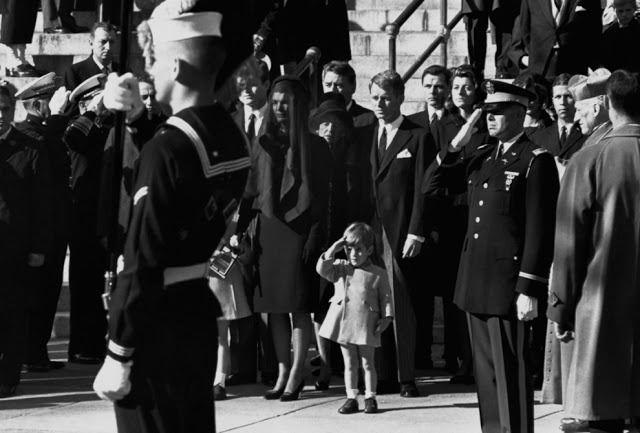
(509, 243)
(25, 227)
(507, 251)
(48, 278)
(163, 314)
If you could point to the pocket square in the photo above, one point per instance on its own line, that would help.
(580, 9)
(404, 154)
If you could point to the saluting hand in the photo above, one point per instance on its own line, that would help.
(465, 133)
(123, 94)
(59, 101)
(527, 307)
(337, 246)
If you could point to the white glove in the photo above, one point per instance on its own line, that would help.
(527, 307)
(112, 382)
(59, 101)
(123, 94)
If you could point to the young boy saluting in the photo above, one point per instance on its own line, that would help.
(360, 310)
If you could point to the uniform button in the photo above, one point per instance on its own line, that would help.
(485, 186)
(469, 182)
(475, 236)
(477, 219)
(515, 257)
(481, 203)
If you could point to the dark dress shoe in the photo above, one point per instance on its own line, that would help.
(239, 379)
(574, 425)
(409, 389)
(291, 396)
(387, 387)
(316, 361)
(81, 358)
(463, 379)
(370, 405)
(219, 393)
(349, 406)
(7, 390)
(57, 30)
(25, 70)
(273, 394)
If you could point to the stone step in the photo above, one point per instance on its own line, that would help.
(407, 43)
(368, 66)
(376, 20)
(396, 4)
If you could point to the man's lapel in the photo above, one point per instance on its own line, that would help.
(546, 9)
(572, 139)
(399, 142)
(374, 150)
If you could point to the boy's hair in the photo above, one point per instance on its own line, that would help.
(359, 232)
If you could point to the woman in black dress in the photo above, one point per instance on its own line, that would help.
(288, 188)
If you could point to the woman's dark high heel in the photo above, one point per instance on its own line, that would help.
(291, 396)
(274, 394)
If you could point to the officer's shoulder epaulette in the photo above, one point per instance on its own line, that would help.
(539, 151)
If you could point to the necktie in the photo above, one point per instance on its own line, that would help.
(251, 128)
(499, 153)
(106, 71)
(558, 3)
(382, 144)
(434, 118)
(563, 136)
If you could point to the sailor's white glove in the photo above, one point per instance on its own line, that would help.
(112, 382)
(527, 307)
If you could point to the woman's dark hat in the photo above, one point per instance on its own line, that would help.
(331, 103)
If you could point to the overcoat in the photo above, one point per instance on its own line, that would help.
(595, 286)
(362, 296)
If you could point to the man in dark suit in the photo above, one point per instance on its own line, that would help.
(103, 40)
(436, 82)
(339, 77)
(556, 36)
(502, 14)
(563, 138)
(400, 153)
(504, 267)
(251, 342)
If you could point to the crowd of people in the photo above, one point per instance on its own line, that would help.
(333, 223)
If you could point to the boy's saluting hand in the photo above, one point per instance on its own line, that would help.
(337, 246)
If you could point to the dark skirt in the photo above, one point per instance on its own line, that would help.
(285, 283)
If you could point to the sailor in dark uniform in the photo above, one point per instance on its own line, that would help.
(512, 187)
(45, 125)
(188, 180)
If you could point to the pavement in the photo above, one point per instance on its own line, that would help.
(63, 401)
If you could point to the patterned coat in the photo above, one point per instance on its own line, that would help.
(362, 296)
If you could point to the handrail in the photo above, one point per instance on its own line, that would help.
(431, 48)
(394, 28)
(310, 62)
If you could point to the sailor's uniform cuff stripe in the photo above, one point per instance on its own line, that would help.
(534, 277)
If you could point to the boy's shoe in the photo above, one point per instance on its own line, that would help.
(219, 393)
(349, 406)
(370, 405)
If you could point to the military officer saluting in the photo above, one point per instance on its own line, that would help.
(512, 187)
(189, 177)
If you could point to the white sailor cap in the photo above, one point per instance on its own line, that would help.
(42, 86)
(88, 87)
(186, 26)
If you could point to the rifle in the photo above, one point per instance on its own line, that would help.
(126, 10)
